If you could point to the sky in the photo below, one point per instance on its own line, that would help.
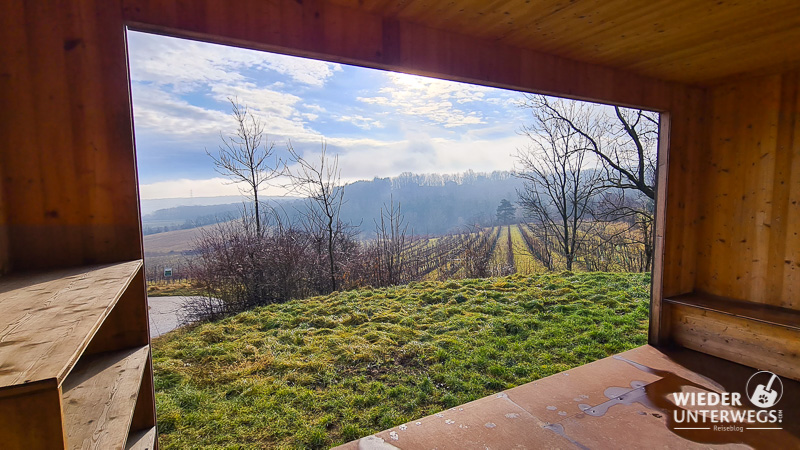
(379, 123)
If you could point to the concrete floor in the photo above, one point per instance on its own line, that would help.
(164, 313)
(613, 403)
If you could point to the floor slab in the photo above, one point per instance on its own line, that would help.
(624, 401)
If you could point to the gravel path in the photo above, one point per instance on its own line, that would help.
(164, 314)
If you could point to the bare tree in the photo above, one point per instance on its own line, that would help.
(625, 145)
(560, 184)
(245, 156)
(320, 183)
(391, 241)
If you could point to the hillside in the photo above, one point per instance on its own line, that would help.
(431, 203)
(322, 371)
(171, 242)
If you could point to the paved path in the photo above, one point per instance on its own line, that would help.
(164, 314)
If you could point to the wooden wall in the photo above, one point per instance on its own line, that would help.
(4, 253)
(750, 194)
(70, 189)
(688, 143)
(67, 160)
(315, 29)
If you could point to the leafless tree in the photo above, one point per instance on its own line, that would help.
(560, 184)
(626, 146)
(246, 156)
(320, 183)
(391, 243)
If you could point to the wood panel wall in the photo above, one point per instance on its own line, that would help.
(4, 253)
(688, 143)
(750, 219)
(67, 161)
(319, 30)
(71, 183)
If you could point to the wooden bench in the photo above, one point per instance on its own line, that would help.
(758, 335)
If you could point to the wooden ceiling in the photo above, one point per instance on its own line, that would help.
(690, 41)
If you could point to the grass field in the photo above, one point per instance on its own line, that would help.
(322, 371)
(172, 288)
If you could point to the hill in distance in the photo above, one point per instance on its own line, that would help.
(432, 204)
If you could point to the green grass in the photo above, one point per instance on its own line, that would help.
(322, 371)
(175, 288)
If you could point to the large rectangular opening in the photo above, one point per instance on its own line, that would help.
(482, 238)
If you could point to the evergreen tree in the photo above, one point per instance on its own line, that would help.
(506, 212)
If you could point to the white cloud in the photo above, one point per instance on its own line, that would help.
(181, 88)
(435, 100)
(165, 72)
(174, 118)
(420, 153)
(186, 64)
(185, 188)
(307, 71)
(315, 108)
(365, 123)
(170, 116)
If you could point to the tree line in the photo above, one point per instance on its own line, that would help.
(587, 201)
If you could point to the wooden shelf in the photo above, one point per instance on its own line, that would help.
(99, 397)
(761, 336)
(142, 440)
(50, 317)
(773, 315)
(74, 356)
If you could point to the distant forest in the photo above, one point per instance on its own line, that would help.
(433, 204)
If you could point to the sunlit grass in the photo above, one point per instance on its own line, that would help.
(322, 371)
(172, 288)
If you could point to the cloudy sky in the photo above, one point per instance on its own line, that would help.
(379, 123)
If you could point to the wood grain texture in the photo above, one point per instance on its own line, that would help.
(753, 343)
(656, 330)
(127, 324)
(751, 193)
(686, 41)
(50, 317)
(144, 413)
(759, 312)
(5, 255)
(31, 417)
(68, 169)
(688, 141)
(318, 29)
(142, 440)
(99, 397)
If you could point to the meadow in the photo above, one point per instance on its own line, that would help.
(321, 371)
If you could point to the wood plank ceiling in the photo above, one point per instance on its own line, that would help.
(690, 41)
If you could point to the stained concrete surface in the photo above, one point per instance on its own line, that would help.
(164, 313)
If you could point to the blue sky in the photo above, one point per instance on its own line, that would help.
(379, 123)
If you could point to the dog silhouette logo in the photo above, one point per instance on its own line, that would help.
(764, 389)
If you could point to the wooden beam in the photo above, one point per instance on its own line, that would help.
(320, 30)
(656, 330)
